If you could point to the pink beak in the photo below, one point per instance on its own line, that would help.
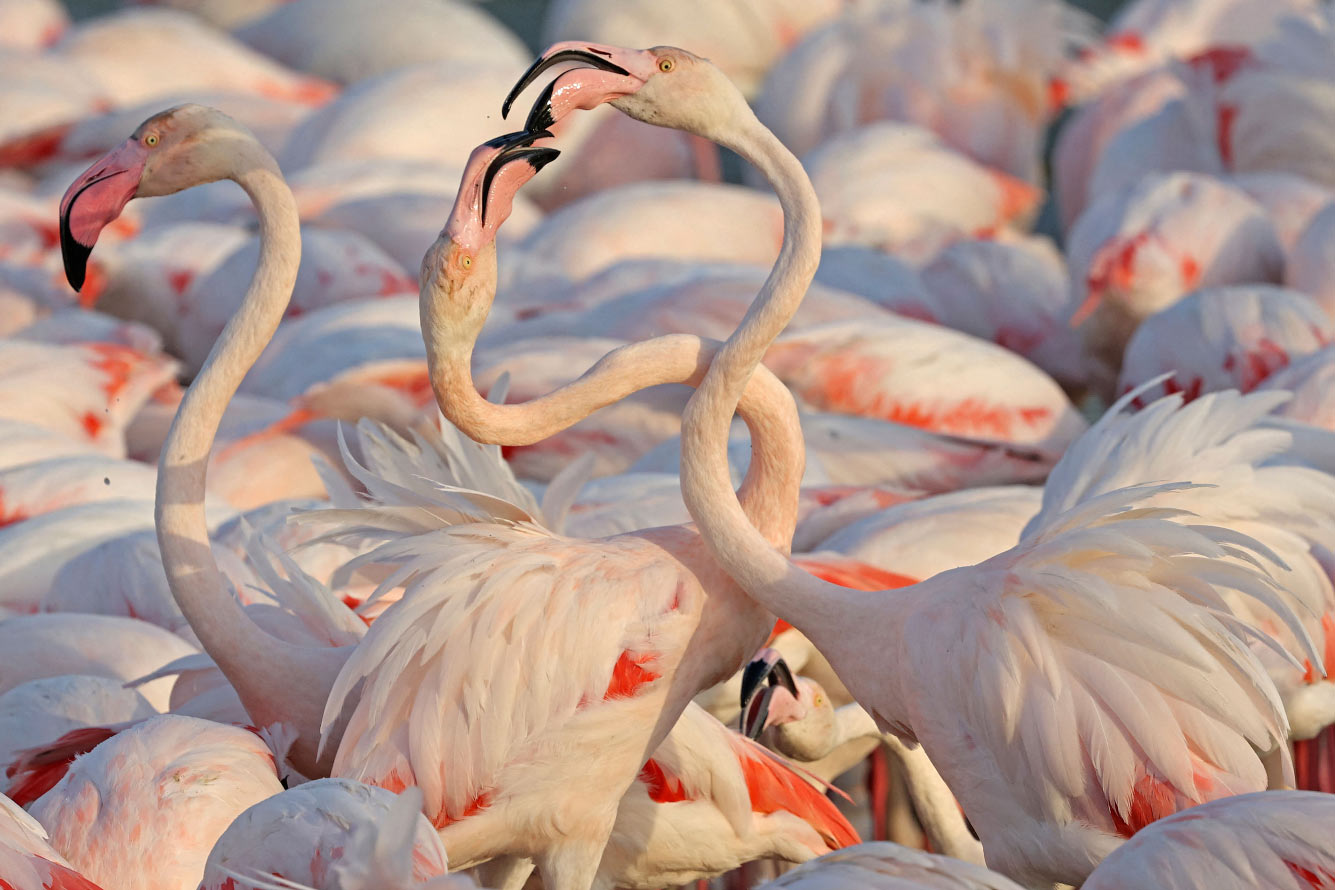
(490, 182)
(606, 73)
(93, 201)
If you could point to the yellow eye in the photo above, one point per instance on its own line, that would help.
(666, 65)
(466, 261)
(819, 701)
(151, 139)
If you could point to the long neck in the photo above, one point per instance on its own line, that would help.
(938, 812)
(769, 492)
(276, 681)
(818, 609)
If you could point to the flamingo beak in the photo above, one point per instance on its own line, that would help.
(506, 179)
(95, 200)
(605, 73)
(489, 184)
(768, 688)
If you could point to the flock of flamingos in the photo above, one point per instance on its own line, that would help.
(314, 575)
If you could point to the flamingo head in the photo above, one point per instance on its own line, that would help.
(460, 268)
(797, 709)
(664, 86)
(769, 693)
(173, 150)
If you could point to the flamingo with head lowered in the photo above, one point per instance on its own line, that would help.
(1070, 690)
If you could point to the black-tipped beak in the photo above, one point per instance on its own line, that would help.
(759, 679)
(584, 56)
(73, 253)
(756, 712)
(516, 147)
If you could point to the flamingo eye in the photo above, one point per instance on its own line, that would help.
(666, 65)
(466, 261)
(819, 701)
(151, 139)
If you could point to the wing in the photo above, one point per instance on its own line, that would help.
(505, 633)
(702, 758)
(1214, 441)
(1101, 669)
(1274, 839)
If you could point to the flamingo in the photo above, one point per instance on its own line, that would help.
(1137, 251)
(136, 55)
(87, 391)
(1277, 839)
(170, 152)
(974, 75)
(898, 188)
(27, 860)
(1217, 338)
(457, 288)
(1146, 33)
(145, 807)
(1309, 379)
(347, 41)
(125, 649)
(329, 832)
(32, 24)
(746, 40)
(707, 799)
(927, 376)
(220, 13)
(1028, 825)
(1308, 268)
(1010, 290)
(1229, 109)
(34, 713)
(1268, 839)
(252, 660)
(695, 221)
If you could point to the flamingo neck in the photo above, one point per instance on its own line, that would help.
(769, 492)
(276, 681)
(818, 609)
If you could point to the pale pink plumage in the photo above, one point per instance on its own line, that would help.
(141, 54)
(325, 834)
(125, 649)
(898, 188)
(161, 792)
(979, 77)
(1232, 337)
(926, 376)
(348, 41)
(1274, 839)
(27, 861)
(1134, 252)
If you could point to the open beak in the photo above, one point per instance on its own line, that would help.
(492, 177)
(766, 677)
(95, 200)
(605, 73)
(515, 147)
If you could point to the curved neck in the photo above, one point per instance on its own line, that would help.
(815, 607)
(276, 681)
(770, 490)
(938, 812)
